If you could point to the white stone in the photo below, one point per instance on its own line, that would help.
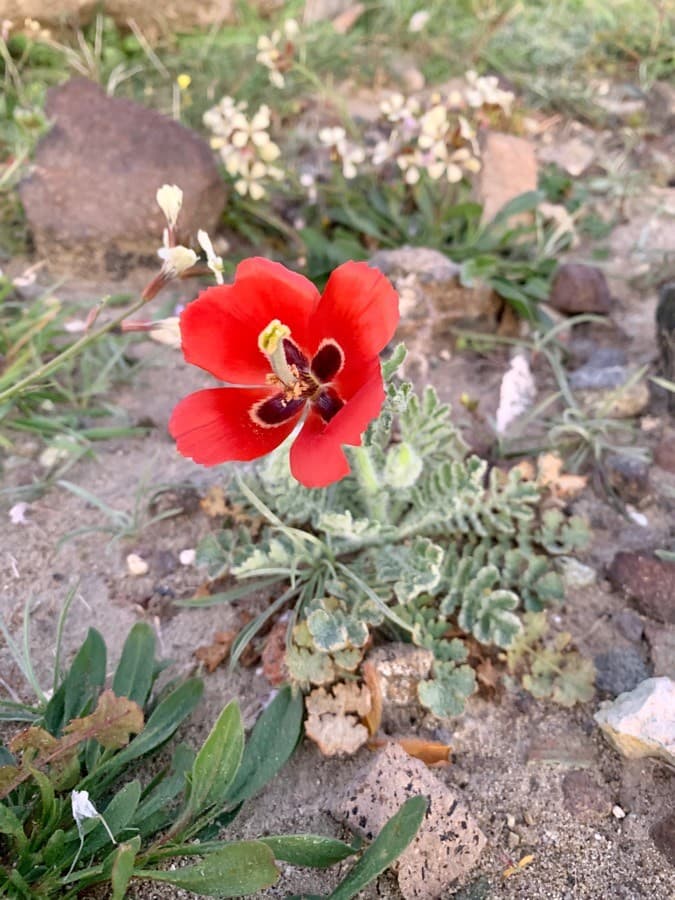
(642, 722)
(187, 557)
(137, 565)
(618, 813)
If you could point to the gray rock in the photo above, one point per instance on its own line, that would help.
(619, 670)
(584, 798)
(578, 288)
(592, 377)
(662, 646)
(449, 841)
(630, 625)
(642, 722)
(628, 476)
(90, 200)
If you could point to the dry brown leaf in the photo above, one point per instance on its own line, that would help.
(487, 675)
(431, 753)
(214, 503)
(373, 718)
(333, 718)
(519, 866)
(212, 655)
(346, 20)
(550, 475)
(112, 723)
(274, 655)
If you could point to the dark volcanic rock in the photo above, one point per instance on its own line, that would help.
(580, 289)
(663, 835)
(650, 581)
(90, 200)
(619, 670)
(629, 477)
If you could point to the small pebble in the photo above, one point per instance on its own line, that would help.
(513, 840)
(528, 818)
(618, 813)
(637, 517)
(136, 564)
(187, 557)
(511, 821)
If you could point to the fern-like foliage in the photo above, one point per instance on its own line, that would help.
(422, 538)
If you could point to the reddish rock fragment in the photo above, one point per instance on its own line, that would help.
(647, 579)
(580, 289)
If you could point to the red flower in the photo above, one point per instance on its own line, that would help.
(298, 354)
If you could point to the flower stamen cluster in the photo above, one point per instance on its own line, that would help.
(277, 50)
(244, 145)
(346, 152)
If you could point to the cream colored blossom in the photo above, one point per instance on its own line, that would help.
(176, 260)
(214, 262)
(170, 200)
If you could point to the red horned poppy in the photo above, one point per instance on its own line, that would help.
(292, 353)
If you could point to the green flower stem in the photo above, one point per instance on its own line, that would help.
(366, 475)
(47, 368)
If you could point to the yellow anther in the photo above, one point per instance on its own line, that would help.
(270, 342)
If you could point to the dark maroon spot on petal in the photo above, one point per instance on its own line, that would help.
(327, 361)
(295, 356)
(276, 410)
(327, 404)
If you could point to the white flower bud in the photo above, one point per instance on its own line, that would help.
(170, 200)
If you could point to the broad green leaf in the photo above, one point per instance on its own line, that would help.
(308, 849)
(446, 694)
(54, 849)
(272, 741)
(217, 762)
(385, 849)
(112, 723)
(11, 825)
(236, 870)
(135, 671)
(80, 687)
(122, 870)
(526, 202)
(163, 722)
(118, 815)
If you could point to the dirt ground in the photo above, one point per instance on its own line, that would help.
(511, 753)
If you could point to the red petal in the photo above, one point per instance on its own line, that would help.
(220, 329)
(215, 426)
(317, 457)
(358, 310)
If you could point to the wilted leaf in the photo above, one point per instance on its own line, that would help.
(34, 738)
(213, 654)
(274, 655)
(333, 719)
(373, 718)
(431, 753)
(550, 475)
(112, 723)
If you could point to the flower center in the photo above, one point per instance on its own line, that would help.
(271, 342)
(301, 380)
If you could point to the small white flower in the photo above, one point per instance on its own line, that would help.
(332, 137)
(170, 200)
(215, 263)
(84, 809)
(167, 332)
(176, 260)
(418, 20)
(291, 29)
(249, 180)
(277, 80)
(516, 393)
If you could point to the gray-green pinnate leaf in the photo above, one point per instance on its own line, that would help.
(447, 692)
(415, 568)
